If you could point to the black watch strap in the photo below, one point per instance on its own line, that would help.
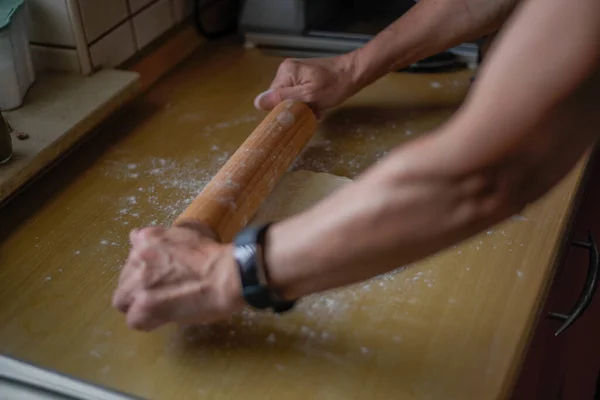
(249, 247)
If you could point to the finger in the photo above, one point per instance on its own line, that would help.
(133, 236)
(140, 237)
(151, 309)
(140, 315)
(150, 234)
(187, 301)
(287, 71)
(266, 101)
(131, 280)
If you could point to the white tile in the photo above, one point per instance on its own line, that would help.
(114, 48)
(50, 23)
(80, 41)
(137, 5)
(152, 22)
(55, 59)
(182, 9)
(99, 16)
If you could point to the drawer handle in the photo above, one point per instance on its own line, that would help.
(589, 289)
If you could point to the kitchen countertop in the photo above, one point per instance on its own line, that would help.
(453, 326)
(58, 111)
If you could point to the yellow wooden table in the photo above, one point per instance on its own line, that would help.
(454, 326)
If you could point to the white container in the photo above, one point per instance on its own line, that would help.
(16, 68)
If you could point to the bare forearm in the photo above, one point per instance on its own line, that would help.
(510, 143)
(427, 28)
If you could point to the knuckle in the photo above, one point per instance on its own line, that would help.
(145, 302)
(287, 62)
(151, 232)
(288, 65)
(146, 254)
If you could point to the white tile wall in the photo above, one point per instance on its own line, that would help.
(182, 9)
(114, 48)
(99, 16)
(50, 22)
(153, 22)
(98, 33)
(137, 5)
(55, 59)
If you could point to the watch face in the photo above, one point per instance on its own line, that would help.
(244, 253)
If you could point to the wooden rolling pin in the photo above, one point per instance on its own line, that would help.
(235, 193)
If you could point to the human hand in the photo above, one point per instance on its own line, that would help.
(179, 274)
(322, 83)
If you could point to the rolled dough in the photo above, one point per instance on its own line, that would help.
(296, 192)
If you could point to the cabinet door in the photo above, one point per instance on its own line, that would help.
(582, 354)
(567, 366)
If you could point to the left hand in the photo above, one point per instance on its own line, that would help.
(179, 274)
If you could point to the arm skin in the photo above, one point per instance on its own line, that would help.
(528, 120)
(429, 27)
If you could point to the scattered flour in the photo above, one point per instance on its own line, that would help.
(519, 218)
(95, 354)
(208, 129)
(435, 85)
(165, 185)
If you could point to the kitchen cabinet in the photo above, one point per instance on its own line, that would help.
(567, 366)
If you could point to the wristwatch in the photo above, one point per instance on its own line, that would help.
(249, 247)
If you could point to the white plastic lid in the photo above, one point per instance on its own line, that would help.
(8, 8)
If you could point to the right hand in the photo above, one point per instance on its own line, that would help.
(180, 274)
(321, 83)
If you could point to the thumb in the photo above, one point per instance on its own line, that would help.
(267, 100)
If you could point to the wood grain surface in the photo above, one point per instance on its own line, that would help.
(235, 193)
(454, 326)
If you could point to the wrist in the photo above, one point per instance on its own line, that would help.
(227, 279)
(350, 67)
(249, 252)
(284, 271)
(368, 66)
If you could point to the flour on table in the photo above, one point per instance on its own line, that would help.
(166, 185)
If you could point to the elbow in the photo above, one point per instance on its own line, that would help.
(490, 195)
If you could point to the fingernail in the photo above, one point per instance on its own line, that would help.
(258, 98)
